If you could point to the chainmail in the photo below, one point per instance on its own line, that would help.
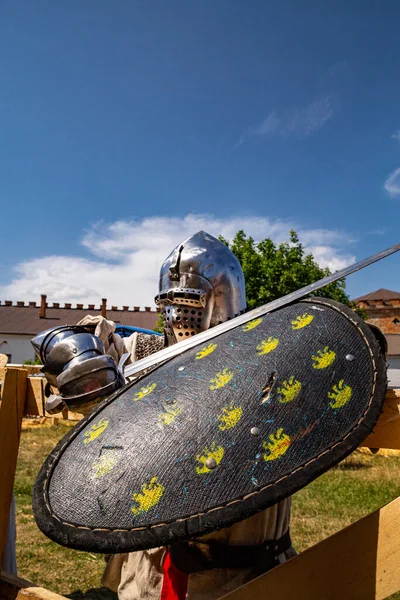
(148, 344)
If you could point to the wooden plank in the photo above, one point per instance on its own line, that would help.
(361, 562)
(15, 588)
(386, 433)
(35, 402)
(35, 398)
(11, 412)
(32, 369)
(3, 360)
(387, 430)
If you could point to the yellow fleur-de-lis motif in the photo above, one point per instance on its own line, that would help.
(96, 430)
(252, 324)
(290, 389)
(170, 414)
(206, 351)
(266, 346)
(221, 379)
(229, 417)
(144, 391)
(213, 452)
(104, 464)
(323, 358)
(340, 394)
(277, 446)
(302, 321)
(149, 496)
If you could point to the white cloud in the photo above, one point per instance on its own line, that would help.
(308, 120)
(293, 122)
(127, 255)
(376, 232)
(268, 126)
(326, 258)
(396, 135)
(392, 184)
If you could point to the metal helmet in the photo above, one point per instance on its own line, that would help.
(201, 285)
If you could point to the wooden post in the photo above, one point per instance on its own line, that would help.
(14, 588)
(13, 391)
(387, 430)
(360, 562)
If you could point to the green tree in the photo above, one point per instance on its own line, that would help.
(272, 271)
(32, 361)
(159, 325)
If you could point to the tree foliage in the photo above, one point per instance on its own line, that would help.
(272, 271)
(32, 361)
(159, 325)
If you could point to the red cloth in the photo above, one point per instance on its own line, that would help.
(174, 582)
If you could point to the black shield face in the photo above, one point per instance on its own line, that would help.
(216, 434)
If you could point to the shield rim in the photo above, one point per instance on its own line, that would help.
(109, 540)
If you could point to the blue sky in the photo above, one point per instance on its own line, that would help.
(125, 125)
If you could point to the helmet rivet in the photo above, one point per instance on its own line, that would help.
(350, 357)
(181, 368)
(255, 431)
(211, 463)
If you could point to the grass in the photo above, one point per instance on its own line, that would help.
(359, 485)
(39, 560)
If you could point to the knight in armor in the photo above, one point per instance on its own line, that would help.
(201, 285)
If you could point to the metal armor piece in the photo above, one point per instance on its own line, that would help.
(201, 285)
(145, 364)
(148, 344)
(216, 434)
(75, 363)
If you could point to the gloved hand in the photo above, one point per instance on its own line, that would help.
(74, 362)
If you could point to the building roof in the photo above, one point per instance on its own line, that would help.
(25, 319)
(393, 341)
(381, 294)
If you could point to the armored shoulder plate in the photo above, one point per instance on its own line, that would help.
(216, 434)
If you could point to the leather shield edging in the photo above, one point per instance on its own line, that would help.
(104, 540)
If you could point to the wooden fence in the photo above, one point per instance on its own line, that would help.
(359, 562)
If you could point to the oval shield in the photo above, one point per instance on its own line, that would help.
(216, 434)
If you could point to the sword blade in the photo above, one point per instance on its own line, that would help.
(179, 348)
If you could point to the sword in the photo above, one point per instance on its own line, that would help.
(160, 357)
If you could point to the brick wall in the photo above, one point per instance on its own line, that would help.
(387, 318)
